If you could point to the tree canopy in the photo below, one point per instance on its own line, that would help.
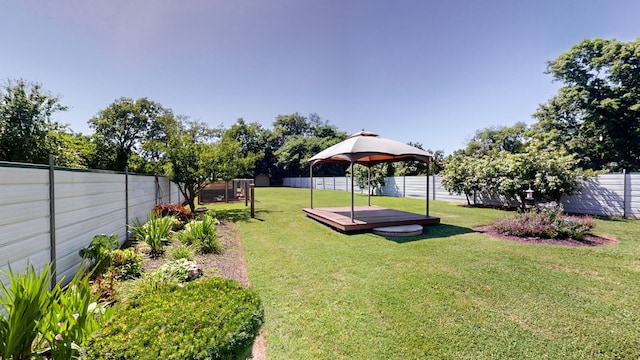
(126, 123)
(26, 122)
(596, 114)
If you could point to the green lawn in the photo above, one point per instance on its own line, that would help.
(450, 293)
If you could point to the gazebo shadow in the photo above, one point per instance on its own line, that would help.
(431, 232)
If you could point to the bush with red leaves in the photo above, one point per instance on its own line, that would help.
(177, 210)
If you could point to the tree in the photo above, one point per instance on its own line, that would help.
(418, 168)
(596, 114)
(511, 139)
(190, 154)
(26, 122)
(70, 149)
(376, 182)
(125, 124)
(254, 141)
(551, 173)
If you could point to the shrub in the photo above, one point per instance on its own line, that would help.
(181, 251)
(176, 210)
(126, 263)
(99, 251)
(547, 222)
(202, 234)
(154, 232)
(172, 323)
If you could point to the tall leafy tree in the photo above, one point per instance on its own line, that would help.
(596, 114)
(190, 155)
(125, 124)
(511, 139)
(254, 141)
(26, 121)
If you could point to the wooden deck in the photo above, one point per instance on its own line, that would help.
(366, 217)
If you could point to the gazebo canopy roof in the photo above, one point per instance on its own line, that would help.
(368, 149)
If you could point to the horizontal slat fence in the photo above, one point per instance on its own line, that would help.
(85, 203)
(605, 195)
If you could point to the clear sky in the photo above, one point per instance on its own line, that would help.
(425, 71)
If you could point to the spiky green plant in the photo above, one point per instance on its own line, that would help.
(154, 232)
(202, 234)
(26, 301)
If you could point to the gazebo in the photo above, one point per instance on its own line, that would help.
(368, 149)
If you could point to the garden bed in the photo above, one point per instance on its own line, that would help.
(588, 240)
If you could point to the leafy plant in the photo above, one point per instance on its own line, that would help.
(63, 318)
(175, 210)
(203, 234)
(99, 251)
(547, 222)
(181, 251)
(73, 317)
(26, 301)
(171, 323)
(154, 232)
(173, 272)
(126, 263)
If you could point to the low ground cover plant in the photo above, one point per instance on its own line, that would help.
(546, 222)
(171, 322)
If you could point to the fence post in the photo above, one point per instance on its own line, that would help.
(252, 201)
(404, 186)
(433, 178)
(126, 203)
(52, 221)
(624, 192)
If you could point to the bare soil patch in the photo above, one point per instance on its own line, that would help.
(230, 263)
(589, 240)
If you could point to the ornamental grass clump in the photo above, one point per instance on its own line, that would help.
(202, 234)
(154, 232)
(546, 222)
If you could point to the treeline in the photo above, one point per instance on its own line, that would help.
(592, 124)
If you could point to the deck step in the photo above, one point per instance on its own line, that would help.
(399, 231)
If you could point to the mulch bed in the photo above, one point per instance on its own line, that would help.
(230, 263)
(589, 240)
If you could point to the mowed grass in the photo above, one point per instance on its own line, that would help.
(448, 294)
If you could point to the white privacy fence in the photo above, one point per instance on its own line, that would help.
(604, 195)
(48, 214)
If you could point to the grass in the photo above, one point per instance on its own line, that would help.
(450, 293)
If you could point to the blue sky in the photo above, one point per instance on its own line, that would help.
(425, 71)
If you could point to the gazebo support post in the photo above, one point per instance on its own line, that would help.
(352, 197)
(311, 182)
(427, 187)
(369, 185)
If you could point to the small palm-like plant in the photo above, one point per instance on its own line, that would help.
(154, 232)
(203, 234)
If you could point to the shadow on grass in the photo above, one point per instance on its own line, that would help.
(236, 215)
(432, 232)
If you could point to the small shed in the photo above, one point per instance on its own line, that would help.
(263, 180)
